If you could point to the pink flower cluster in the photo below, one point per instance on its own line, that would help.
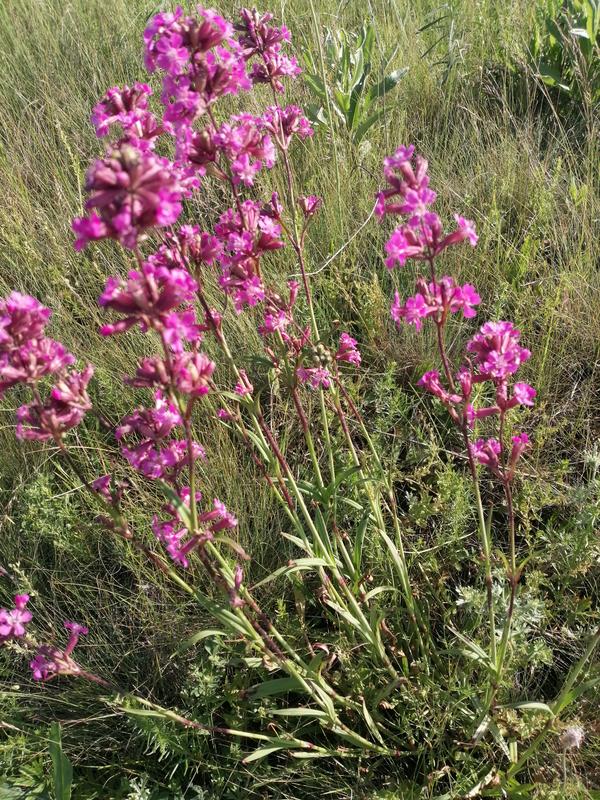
(26, 357)
(494, 354)
(497, 355)
(259, 38)
(246, 146)
(50, 661)
(149, 298)
(155, 454)
(245, 236)
(131, 190)
(13, 622)
(408, 194)
(435, 300)
(488, 451)
(127, 108)
(174, 534)
(278, 312)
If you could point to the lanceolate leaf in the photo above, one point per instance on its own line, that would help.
(277, 686)
(62, 771)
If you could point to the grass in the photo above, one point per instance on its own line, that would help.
(500, 152)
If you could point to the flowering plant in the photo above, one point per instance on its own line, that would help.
(136, 197)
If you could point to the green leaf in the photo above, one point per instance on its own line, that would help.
(261, 753)
(299, 712)
(433, 23)
(387, 84)
(308, 754)
(275, 687)
(317, 85)
(473, 650)
(371, 724)
(359, 542)
(198, 637)
(342, 102)
(551, 76)
(62, 771)
(574, 694)
(298, 565)
(261, 447)
(143, 712)
(530, 705)
(368, 123)
(378, 590)
(350, 618)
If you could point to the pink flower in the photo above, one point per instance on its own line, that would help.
(310, 205)
(259, 38)
(202, 247)
(431, 382)
(520, 443)
(524, 394)
(33, 361)
(408, 194)
(497, 351)
(179, 327)
(408, 180)
(50, 661)
(170, 55)
(314, 377)
(176, 537)
(101, 485)
(152, 372)
(404, 243)
(130, 191)
(486, 452)
(154, 424)
(277, 321)
(246, 237)
(146, 297)
(247, 147)
(413, 311)
(63, 410)
(157, 455)
(75, 631)
(284, 123)
(467, 229)
(243, 387)
(127, 107)
(22, 318)
(13, 622)
(436, 300)
(89, 229)
(192, 373)
(347, 350)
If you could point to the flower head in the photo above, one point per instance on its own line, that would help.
(63, 410)
(13, 622)
(130, 191)
(22, 318)
(496, 350)
(348, 351)
(572, 737)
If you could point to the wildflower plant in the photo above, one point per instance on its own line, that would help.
(347, 509)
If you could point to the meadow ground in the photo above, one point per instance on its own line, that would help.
(503, 152)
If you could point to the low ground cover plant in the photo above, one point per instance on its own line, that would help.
(362, 643)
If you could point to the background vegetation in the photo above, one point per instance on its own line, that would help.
(509, 147)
